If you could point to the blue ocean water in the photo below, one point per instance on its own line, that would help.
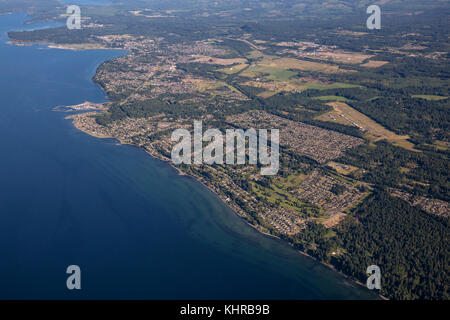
(136, 228)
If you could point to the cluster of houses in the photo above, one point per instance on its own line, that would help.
(433, 206)
(316, 143)
(317, 188)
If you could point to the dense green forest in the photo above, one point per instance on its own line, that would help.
(409, 244)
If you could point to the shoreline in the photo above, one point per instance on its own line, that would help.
(184, 174)
(327, 265)
(71, 47)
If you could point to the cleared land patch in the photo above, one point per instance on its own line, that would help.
(373, 130)
(374, 64)
(214, 88)
(351, 33)
(324, 53)
(281, 69)
(332, 98)
(223, 62)
(342, 56)
(335, 85)
(341, 168)
(254, 54)
(274, 87)
(295, 85)
(429, 97)
(268, 72)
(296, 64)
(233, 69)
(442, 145)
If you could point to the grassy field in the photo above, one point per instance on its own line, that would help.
(291, 181)
(223, 62)
(213, 87)
(204, 86)
(233, 69)
(303, 65)
(335, 85)
(440, 145)
(268, 72)
(276, 195)
(297, 85)
(277, 74)
(342, 56)
(279, 192)
(279, 69)
(374, 64)
(254, 55)
(332, 98)
(429, 97)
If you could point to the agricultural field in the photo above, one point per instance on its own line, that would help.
(282, 69)
(343, 56)
(333, 55)
(294, 85)
(269, 72)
